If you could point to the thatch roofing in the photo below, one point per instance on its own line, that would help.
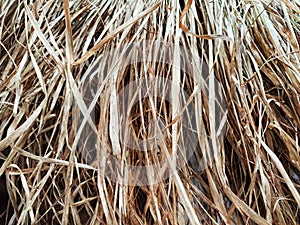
(50, 76)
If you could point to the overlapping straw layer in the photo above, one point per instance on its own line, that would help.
(48, 85)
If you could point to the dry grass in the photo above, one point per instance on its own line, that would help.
(46, 52)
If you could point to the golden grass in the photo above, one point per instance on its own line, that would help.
(47, 49)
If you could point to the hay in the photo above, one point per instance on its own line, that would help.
(47, 53)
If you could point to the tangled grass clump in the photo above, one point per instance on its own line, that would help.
(48, 84)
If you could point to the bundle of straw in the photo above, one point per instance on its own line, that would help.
(82, 122)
